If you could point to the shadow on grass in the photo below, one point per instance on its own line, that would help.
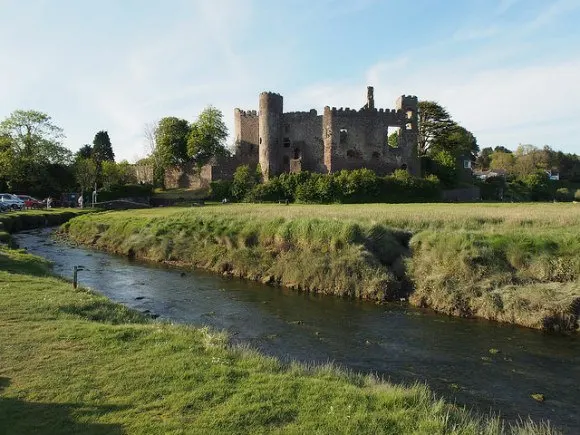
(21, 417)
(19, 262)
(105, 311)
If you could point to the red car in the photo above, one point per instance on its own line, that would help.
(30, 202)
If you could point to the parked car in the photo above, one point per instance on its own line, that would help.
(12, 201)
(30, 202)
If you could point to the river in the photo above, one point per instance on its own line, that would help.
(484, 365)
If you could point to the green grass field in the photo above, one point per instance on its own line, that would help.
(407, 216)
(74, 362)
(516, 263)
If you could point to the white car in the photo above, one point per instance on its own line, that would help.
(11, 202)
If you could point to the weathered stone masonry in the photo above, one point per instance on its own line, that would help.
(306, 141)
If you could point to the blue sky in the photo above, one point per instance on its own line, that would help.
(507, 70)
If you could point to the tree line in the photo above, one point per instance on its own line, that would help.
(34, 161)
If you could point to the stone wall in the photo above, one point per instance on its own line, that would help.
(246, 135)
(188, 177)
(302, 141)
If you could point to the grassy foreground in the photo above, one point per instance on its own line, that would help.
(74, 362)
(517, 263)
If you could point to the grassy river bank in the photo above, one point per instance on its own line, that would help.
(74, 362)
(515, 263)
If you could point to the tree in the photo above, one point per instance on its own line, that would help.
(456, 140)
(434, 121)
(102, 152)
(29, 143)
(154, 157)
(502, 161)
(85, 152)
(445, 168)
(207, 137)
(33, 136)
(502, 149)
(85, 173)
(529, 159)
(102, 148)
(484, 158)
(243, 182)
(171, 141)
(117, 173)
(393, 140)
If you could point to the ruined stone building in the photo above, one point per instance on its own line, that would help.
(306, 141)
(337, 139)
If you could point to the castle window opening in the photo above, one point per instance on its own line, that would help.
(343, 135)
(409, 126)
(296, 153)
(409, 114)
(286, 142)
(467, 164)
(260, 141)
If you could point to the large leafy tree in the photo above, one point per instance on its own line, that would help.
(529, 159)
(457, 141)
(502, 161)
(434, 122)
(171, 142)
(33, 136)
(29, 143)
(207, 137)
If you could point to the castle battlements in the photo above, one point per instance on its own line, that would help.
(248, 113)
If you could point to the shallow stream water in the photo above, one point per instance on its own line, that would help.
(484, 365)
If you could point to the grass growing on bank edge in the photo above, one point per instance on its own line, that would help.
(516, 263)
(74, 362)
(12, 222)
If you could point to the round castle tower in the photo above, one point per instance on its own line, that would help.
(270, 133)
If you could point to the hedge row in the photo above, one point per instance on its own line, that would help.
(356, 186)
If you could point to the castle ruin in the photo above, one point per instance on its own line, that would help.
(306, 141)
(338, 139)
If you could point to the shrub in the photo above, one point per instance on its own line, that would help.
(220, 189)
(577, 195)
(244, 181)
(118, 191)
(563, 194)
(492, 188)
(271, 191)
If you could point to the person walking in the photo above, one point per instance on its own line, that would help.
(81, 201)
